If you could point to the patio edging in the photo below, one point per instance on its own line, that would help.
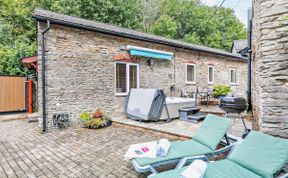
(151, 129)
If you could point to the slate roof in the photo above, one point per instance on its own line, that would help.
(56, 18)
(239, 44)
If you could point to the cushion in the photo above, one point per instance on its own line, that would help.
(261, 153)
(218, 169)
(178, 150)
(212, 130)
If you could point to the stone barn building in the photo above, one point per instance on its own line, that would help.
(92, 65)
(270, 66)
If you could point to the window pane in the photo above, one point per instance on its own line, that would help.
(121, 78)
(133, 76)
(211, 71)
(234, 76)
(190, 73)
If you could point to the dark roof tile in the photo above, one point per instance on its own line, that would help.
(44, 15)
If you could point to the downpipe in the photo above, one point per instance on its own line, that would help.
(249, 82)
(43, 74)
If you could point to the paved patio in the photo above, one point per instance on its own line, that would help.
(188, 129)
(77, 152)
(73, 152)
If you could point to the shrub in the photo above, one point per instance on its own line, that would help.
(221, 90)
(97, 120)
(85, 116)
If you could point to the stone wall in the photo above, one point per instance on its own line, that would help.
(270, 66)
(80, 71)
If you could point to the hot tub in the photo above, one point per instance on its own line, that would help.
(149, 105)
(174, 104)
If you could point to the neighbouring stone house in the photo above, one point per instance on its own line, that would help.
(270, 66)
(240, 48)
(87, 68)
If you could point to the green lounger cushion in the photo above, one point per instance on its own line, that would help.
(212, 130)
(218, 169)
(178, 150)
(204, 141)
(261, 153)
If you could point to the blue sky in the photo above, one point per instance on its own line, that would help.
(240, 7)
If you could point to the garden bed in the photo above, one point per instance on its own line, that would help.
(95, 120)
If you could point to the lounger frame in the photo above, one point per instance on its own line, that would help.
(283, 176)
(185, 160)
(179, 166)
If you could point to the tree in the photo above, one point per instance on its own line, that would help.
(18, 28)
(18, 32)
(186, 20)
(150, 12)
(199, 24)
(164, 26)
(124, 13)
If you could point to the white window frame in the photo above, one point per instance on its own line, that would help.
(212, 75)
(186, 71)
(127, 77)
(237, 76)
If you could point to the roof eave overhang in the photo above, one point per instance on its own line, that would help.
(131, 36)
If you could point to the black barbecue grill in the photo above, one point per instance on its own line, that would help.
(235, 105)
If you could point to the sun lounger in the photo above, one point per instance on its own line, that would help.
(202, 146)
(258, 156)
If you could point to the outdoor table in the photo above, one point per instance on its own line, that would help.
(205, 94)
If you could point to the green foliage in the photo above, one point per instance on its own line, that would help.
(164, 26)
(90, 122)
(195, 23)
(186, 20)
(85, 116)
(18, 28)
(107, 118)
(95, 123)
(221, 90)
(17, 35)
(125, 13)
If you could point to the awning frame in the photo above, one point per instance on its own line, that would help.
(146, 52)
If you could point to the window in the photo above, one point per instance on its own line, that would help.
(126, 77)
(233, 76)
(190, 73)
(133, 75)
(210, 74)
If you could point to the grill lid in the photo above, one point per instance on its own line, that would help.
(233, 104)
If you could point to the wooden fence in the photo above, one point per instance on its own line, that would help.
(12, 93)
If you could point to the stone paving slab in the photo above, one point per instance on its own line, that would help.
(17, 115)
(183, 128)
(72, 152)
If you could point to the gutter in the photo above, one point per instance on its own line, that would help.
(249, 61)
(43, 74)
(131, 36)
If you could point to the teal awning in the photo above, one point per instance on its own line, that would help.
(146, 52)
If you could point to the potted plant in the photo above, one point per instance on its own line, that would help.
(220, 91)
(96, 123)
(98, 114)
(85, 118)
(108, 121)
(98, 120)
